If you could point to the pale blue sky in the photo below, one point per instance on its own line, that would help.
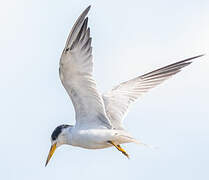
(129, 39)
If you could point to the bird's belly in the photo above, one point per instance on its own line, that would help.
(94, 145)
(92, 139)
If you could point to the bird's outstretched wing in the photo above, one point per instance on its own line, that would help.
(118, 100)
(75, 71)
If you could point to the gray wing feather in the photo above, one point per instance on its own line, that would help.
(76, 67)
(118, 100)
(76, 28)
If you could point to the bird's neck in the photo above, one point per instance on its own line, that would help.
(68, 135)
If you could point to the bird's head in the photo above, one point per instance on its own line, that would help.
(58, 137)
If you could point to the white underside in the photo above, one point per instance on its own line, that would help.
(98, 138)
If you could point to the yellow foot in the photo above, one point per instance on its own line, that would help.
(119, 148)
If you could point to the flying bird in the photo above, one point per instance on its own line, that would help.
(99, 117)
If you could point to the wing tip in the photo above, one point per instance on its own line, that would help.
(87, 9)
(172, 67)
(194, 57)
(201, 55)
(85, 12)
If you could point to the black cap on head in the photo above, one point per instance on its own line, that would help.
(58, 130)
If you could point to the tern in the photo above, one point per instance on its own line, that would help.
(99, 117)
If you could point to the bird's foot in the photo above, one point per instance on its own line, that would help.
(119, 148)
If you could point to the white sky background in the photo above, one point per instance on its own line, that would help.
(129, 39)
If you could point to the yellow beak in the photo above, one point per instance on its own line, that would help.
(51, 152)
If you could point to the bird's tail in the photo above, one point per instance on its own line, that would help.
(146, 145)
(125, 137)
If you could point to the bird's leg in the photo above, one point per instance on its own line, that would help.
(123, 151)
(119, 148)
